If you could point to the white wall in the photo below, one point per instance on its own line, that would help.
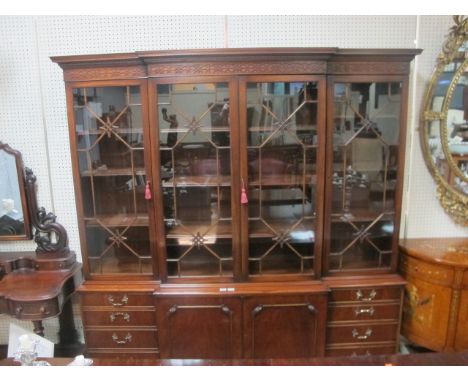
(32, 97)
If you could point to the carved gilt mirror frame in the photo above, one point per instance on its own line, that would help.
(444, 123)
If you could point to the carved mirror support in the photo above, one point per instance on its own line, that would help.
(50, 236)
(444, 123)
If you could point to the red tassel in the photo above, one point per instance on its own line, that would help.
(148, 195)
(244, 199)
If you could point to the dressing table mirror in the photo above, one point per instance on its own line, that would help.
(14, 216)
(444, 123)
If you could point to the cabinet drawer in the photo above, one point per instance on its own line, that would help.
(356, 351)
(37, 310)
(122, 338)
(365, 294)
(422, 270)
(363, 312)
(120, 317)
(117, 300)
(360, 333)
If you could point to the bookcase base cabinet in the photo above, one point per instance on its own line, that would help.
(310, 319)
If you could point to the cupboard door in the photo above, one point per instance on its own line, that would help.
(200, 327)
(363, 193)
(281, 126)
(284, 326)
(196, 144)
(108, 136)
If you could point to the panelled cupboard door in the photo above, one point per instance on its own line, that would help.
(110, 142)
(284, 326)
(200, 327)
(282, 122)
(195, 143)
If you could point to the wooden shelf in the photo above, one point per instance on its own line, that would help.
(220, 230)
(115, 172)
(198, 181)
(118, 220)
(258, 230)
(223, 229)
(261, 129)
(283, 180)
(124, 130)
(362, 215)
(222, 129)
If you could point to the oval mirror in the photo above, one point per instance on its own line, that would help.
(444, 125)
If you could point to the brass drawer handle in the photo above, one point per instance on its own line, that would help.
(123, 300)
(364, 336)
(356, 355)
(360, 295)
(125, 316)
(126, 340)
(369, 311)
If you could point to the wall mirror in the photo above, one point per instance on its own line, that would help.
(444, 123)
(14, 215)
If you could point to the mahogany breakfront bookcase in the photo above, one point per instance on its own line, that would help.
(239, 203)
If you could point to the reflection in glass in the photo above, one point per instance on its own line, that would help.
(109, 136)
(365, 152)
(448, 135)
(11, 210)
(195, 152)
(282, 149)
(457, 132)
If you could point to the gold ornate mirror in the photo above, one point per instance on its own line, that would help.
(444, 123)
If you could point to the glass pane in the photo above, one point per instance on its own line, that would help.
(282, 151)
(11, 207)
(365, 152)
(109, 136)
(195, 151)
(118, 248)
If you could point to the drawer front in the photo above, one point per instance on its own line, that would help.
(357, 351)
(364, 295)
(359, 333)
(35, 310)
(425, 271)
(121, 338)
(117, 300)
(363, 312)
(120, 317)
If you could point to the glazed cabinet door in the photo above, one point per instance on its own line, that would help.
(365, 158)
(195, 144)
(284, 326)
(109, 134)
(200, 327)
(282, 124)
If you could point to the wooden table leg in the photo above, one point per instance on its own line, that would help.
(38, 328)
